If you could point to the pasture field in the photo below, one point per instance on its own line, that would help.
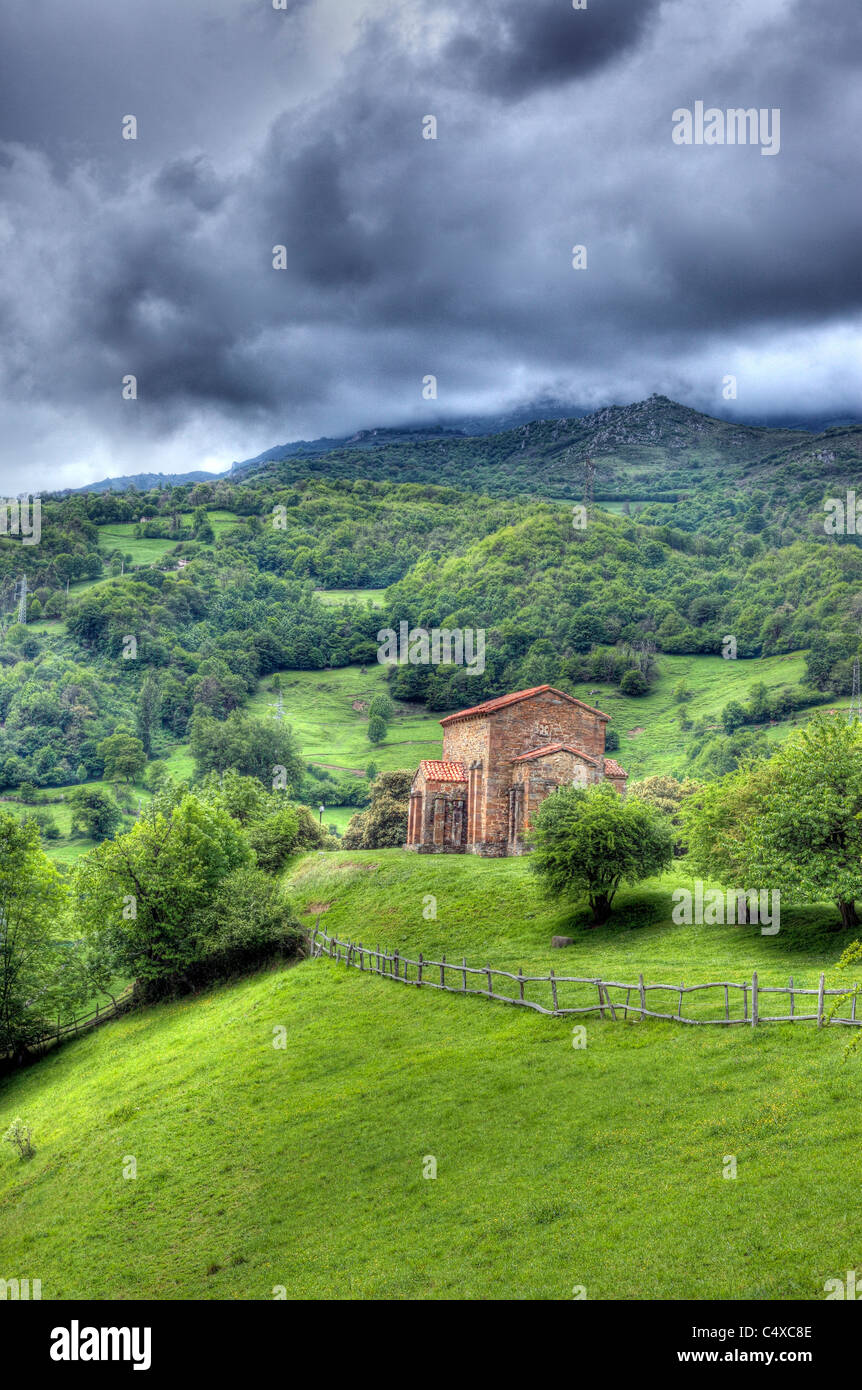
(651, 740)
(320, 706)
(328, 711)
(376, 597)
(556, 1167)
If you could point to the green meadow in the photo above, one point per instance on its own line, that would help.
(651, 740)
(376, 597)
(145, 550)
(263, 1168)
(328, 712)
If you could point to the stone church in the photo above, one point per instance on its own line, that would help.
(500, 760)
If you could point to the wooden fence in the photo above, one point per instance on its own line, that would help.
(455, 978)
(75, 1026)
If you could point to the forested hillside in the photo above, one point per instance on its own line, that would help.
(218, 585)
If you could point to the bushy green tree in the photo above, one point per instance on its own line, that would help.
(31, 906)
(384, 824)
(248, 920)
(123, 756)
(792, 822)
(138, 894)
(94, 811)
(376, 730)
(246, 744)
(381, 707)
(589, 841)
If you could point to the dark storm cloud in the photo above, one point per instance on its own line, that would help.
(408, 256)
(193, 180)
(513, 49)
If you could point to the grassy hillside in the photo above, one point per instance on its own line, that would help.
(319, 705)
(328, 712)
(493, 912)
(302, 1167)
(335, 596)
(651, 739)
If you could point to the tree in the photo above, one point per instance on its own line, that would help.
(148, 711)
(665, 794)
(274, 838)
(94, 811)
(384, 824)
(733, 716)
(137, 895)
(201, 527)
(376, 730)
(792, 822)
(381, 707)
(589, 841)
(31, 904)
(123, 756)
(248, 920)
(246, 744)
(633, 682)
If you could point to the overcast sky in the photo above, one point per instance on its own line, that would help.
(406, 257)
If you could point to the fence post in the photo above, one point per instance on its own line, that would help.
(395, 963)
(791, 998)
(443, 972)
(464, 972)
(820, 1000)
(726, 1004)
(554, 991)
(419, 971)
(601, 998)
(853, 1005)
(521, 980)
(754, 999)
(361, 957)
(642, 993)
(679, 1010)
(744, 1002)
(490, 982)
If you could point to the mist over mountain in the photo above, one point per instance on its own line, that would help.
(549, 436)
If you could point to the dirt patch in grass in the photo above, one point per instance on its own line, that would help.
(633, 733)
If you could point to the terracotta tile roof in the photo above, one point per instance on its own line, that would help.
(613, 768)
(491, 706)
(555, 748)
(436, 771)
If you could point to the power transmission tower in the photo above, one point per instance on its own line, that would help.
(22, 603)
(855, 710)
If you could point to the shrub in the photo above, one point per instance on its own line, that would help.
(18, 1135)
(247, 922)
(376, 730)
(633, 683)
(384, 824)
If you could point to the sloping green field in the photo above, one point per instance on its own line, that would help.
(651, 740)
(301, 1167)
(328, 712)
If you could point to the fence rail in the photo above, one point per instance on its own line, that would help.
(74, 1026)
(438, 974)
